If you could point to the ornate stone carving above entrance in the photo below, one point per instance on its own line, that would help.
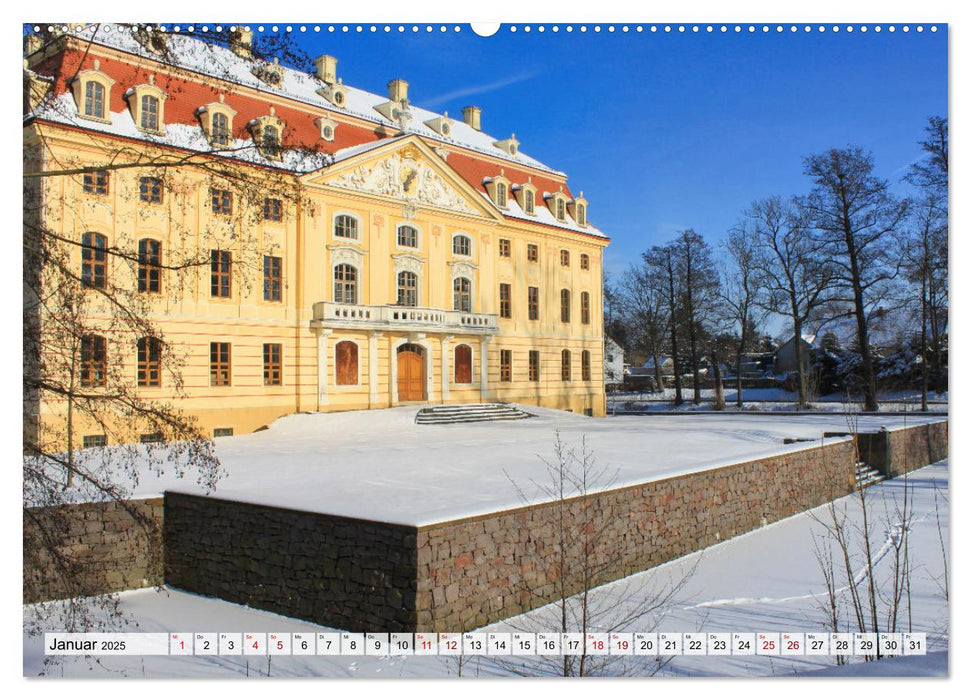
(404, 176)
(346, 254)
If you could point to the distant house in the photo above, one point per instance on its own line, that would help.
(785, 356)
(647, 369)
(613, 361)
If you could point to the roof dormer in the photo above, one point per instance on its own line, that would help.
(268, 134)
(216, 119)
(556, 202)
(270, 73)
(510, 145)
(397, 109)
(328, 128)
(578, 209)
(498, 189)
(147, 105)
(92, 93)
(441, 125)
(526, 196)
(335, 93)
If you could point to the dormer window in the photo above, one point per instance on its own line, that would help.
(440, 125)
(498, 189)
(557, 205)
(270, 73)
(526, 196)
(578, 210)
(268, 135)
(335, 93)
(328, 128)
(510, 145)
(217, 122)
(92, 93)
(147, 105)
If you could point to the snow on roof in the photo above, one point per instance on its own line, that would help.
(219, 62)
(544, 216)
(63, 109)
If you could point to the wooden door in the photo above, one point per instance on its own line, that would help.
(411, 373)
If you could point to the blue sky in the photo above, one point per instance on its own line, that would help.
(664, 131)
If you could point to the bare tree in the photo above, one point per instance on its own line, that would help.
(699, 294)
(645, 306)
(791, 267)
(856, 217)
(662, 261)
(741, 292)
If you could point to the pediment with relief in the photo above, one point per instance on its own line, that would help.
(405, 175)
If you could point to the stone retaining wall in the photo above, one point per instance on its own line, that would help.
(895, 452)
(348, 573)
(91, 548)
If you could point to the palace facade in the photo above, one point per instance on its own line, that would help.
(304, 245)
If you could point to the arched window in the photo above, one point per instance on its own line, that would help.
(220, 129)
(565, 305)
(407, 289)
(94, 260)
(345, 226)
(581, 215)
(560, 209)
(501, 194)
(462, 297)
(585, 307)
(149, 113)
(565, 361)
(585, 365)
(149, 266)
(463, 364)
(346, 353)
(529, 199)
(94, 360)
(565, 258)
(345, 284)
(149, 362)
(461, 245)
(94, 99)
(408, 236)
(584, 261)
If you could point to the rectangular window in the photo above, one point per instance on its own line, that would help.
(585, 307)
(219, 364)
(505, 365)
(533, 303)
(272, 278)
(505, 248)
(585, 365)
(150, 190)
(96, 182)
(94, 99)
(222, 201)
(94, 360)
(534, 365)
(95, 441)
(149, 266)
(584, 261)
(272, 364)
(149, 113)
(565, 369)
(149, 362)
(505, 300)
(565, 258)
(272, 209)
(221, 273)
(565, 305)
(532, 252)
(222, 432)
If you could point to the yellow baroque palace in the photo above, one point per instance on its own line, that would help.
(357, 251)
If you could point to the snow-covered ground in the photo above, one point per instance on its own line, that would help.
(380, 465)
(765, 581)
(768, 399)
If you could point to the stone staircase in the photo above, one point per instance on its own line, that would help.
(469, 413)
(865, 475)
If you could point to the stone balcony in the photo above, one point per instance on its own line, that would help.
(390, 317)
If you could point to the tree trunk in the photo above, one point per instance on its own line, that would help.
(719, 389)
(678, 398)
(801, 384)
(658, 376)
(862, 332)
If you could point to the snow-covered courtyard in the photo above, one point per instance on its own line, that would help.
(768, 580)
(381, 465)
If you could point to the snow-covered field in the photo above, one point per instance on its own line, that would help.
(767, 580)
(380, 465)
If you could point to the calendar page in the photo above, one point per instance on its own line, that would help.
(360, 348)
